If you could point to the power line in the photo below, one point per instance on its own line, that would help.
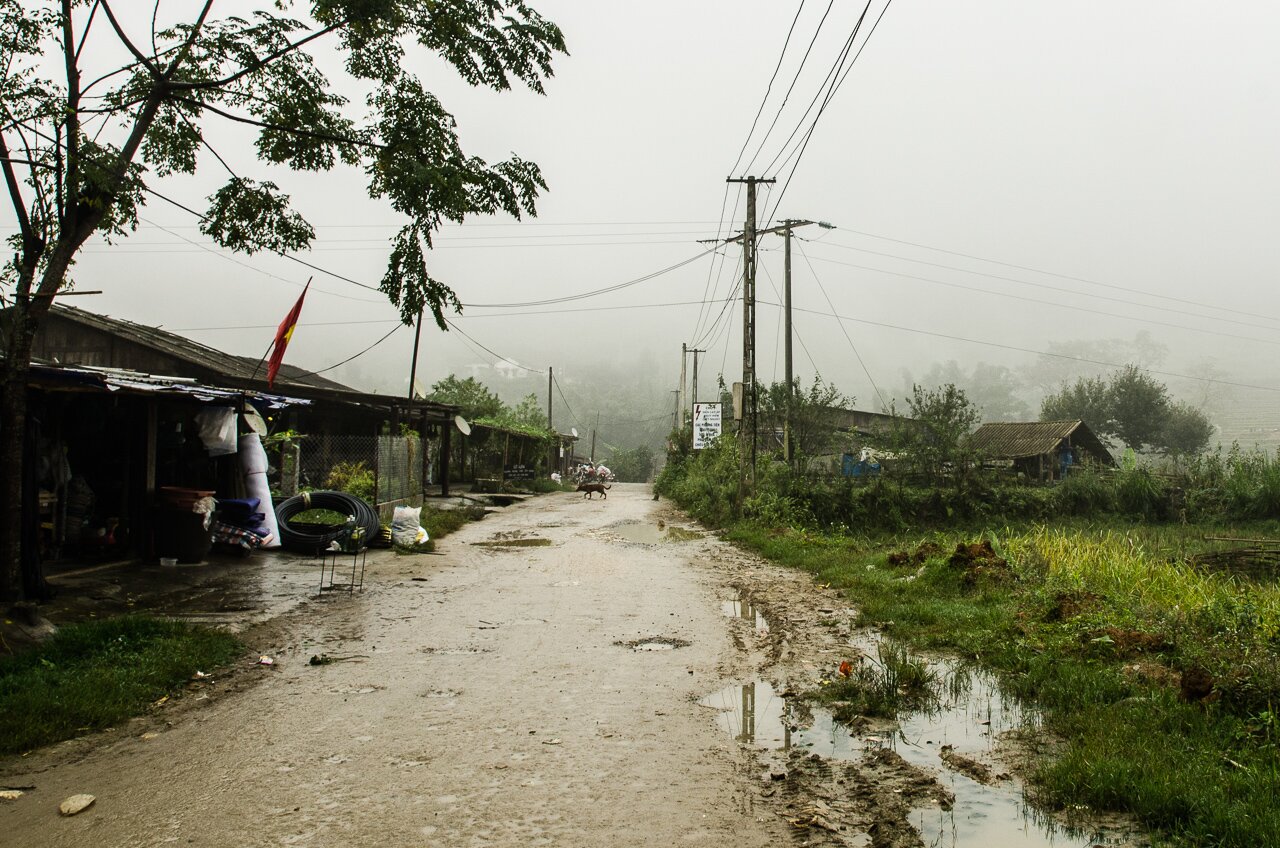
(847, 337)
(827, 102)
(279, 253)
(795, 79)
(593, 293)
(565, 401)
(827, 82)
(1047, 286)
(1060, 276)
(243, 264)
(490, 352)
(769, 88)
(353, 356)
(1073, 307)
(1003, 346)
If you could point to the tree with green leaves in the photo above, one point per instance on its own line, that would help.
(85, 136)
(470, 395)
(1133, 407)
(932, 442)
(528, 412)
(813, 413)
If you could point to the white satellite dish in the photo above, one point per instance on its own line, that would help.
(574, 431)
(462, 425)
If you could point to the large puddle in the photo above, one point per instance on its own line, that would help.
(970, 717)
(651, 534)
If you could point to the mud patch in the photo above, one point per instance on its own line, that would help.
(744, 608)
(514, 543)
(468, 649)
(654, 643)
(654, 534)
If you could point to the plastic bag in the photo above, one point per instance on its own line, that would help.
(218, 429)
(406, 527)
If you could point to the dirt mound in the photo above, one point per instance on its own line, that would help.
(1067, 605)
(916, 557)
(980, 563)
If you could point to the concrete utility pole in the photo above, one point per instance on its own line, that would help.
(749, 394)
(785, 228)
(675, 413)
(684, 359)
(694, 401)
(555, 450)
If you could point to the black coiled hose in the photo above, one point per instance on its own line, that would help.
(340, 502)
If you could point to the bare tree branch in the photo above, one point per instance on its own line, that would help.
(191, 40)
(124, 39)
(15, 190)
(87, 24)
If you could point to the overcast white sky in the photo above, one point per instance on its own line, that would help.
(1129, 144)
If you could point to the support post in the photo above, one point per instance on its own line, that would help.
(749, 392)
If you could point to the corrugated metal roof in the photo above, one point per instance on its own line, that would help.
(1020, 439)
(226, 365)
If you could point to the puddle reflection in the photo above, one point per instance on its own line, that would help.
(650, 534)
(970, 717)
(744, 608)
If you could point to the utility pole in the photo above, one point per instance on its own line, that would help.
(694, 401)
(749, 396)
(413, 369)
(593, 438)
(785, 228)
(675, 413)
(684, 359)
(554, 459)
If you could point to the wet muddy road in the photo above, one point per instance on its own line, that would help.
(565, 672)
(497, 695)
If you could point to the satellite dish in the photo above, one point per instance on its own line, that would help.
(462, 425)
(574, 431)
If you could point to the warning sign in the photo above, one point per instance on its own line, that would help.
(706, 424)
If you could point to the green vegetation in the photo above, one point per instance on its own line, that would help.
(1152, 652)
(354, 478)
(93, 675)
(1133, 407)
(1159, 677)
(440, 523)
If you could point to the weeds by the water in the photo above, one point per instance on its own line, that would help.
(92, 675)
(1160, 678)
(883, 686)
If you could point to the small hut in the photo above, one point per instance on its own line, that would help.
(1042, 450)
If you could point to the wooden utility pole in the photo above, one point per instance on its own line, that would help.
(749, 394)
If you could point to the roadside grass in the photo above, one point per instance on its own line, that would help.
(1099, 624)
(92, 675)
(440, 523)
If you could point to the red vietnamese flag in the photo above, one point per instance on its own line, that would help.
(283, 333)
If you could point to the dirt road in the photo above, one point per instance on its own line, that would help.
(492, 697)
(566, 672)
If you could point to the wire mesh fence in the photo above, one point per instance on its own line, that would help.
(380, 469)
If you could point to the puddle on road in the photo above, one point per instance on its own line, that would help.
(654, 534)
(514, 543)
(654, 643)
(744, 608)
(973, 713)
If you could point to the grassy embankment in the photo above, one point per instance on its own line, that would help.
(93, 675)
(1098, 627)
(1158, 672)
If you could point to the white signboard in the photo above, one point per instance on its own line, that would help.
(706, 424)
